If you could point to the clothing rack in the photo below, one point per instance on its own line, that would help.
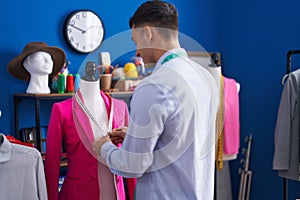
(288, 70)
(289, 59)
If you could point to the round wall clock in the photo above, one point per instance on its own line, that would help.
(84, 31)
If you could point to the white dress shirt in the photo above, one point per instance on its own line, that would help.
(21, 172)
(170, 142)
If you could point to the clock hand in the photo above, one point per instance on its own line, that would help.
(82, 31)
(90, 28)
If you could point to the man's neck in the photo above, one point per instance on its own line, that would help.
(168, 47)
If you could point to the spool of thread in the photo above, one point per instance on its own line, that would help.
(70, 83)
(61, 83)
(76, 81)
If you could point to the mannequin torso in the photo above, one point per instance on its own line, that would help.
(90, 90)
(92, 99)
(228, 156)
(76, 122)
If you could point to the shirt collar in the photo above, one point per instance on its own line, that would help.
(5, 150)
(167, 53)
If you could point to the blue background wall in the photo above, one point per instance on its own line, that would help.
(253, 37)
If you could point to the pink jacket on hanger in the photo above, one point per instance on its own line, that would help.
(81, 181)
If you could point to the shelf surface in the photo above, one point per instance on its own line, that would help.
(64, 95)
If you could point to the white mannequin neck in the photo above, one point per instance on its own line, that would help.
(89, 88)
(94, 102)
(38, 85)
(219, 70)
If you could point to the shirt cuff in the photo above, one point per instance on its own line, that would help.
(106, 149)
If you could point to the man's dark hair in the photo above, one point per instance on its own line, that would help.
(155, 13)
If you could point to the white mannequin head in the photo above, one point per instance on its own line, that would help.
(39, 65)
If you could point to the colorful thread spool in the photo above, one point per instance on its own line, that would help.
(70, 83)
(76, 81)
(61, 83)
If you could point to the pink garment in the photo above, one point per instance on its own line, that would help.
(231, 117)
(81, 181)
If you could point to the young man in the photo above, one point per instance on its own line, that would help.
(169, 143)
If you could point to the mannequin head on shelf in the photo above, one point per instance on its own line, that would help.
(39, 65)
(34, 65)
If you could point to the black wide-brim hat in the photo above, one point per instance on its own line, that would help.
(15, 66)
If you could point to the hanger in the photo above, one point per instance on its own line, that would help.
(284, 79)
(1, 139)
(288, 64)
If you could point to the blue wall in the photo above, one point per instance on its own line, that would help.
(253, 38)
(35, 20)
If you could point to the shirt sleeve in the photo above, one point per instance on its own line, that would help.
(146, 124)
(42, 190)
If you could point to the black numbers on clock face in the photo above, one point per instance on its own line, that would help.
(81, 15)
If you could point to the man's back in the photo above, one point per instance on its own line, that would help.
(176, 120)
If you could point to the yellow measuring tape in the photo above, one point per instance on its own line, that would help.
(220, 121)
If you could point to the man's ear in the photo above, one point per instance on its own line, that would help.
(148, 33)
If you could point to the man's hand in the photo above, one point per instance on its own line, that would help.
(97, 144)
(117, 135)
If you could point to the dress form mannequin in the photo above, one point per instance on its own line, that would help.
(228, 156)
(223, 177)
(70, 125)
(39, 65)
(90, 90)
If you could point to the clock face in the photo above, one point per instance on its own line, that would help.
(84, 31)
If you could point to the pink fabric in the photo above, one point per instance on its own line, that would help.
(81, 181)
(231, 119)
